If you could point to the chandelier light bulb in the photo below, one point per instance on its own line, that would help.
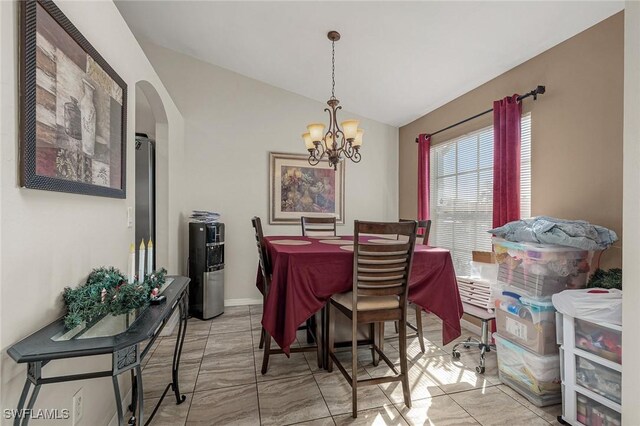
(306, 137)
(316, 130)
(350, 128)
(358, 140)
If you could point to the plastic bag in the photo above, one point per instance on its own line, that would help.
(591, 304)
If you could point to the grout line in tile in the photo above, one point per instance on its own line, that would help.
(523, 405)
(195, 385)
(255, 371)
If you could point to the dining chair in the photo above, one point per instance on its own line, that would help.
(314, 226)
(379, 294)
(265, 270)
(425, 226)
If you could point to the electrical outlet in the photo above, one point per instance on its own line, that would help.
(77, 407)
(129, 217)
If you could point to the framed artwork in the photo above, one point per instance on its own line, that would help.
(297, 189)
(73, 108)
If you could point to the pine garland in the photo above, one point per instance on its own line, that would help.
(106, 291)
(606, 279)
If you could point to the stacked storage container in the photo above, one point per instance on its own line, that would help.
(590, 332)
(528, 275)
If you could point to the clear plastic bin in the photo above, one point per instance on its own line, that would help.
(590, 413)
(528, 322)
(541, 269)
(602, 341)
(538, 374)
(535, 399)
(599, 379)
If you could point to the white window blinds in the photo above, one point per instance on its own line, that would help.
(461, 192)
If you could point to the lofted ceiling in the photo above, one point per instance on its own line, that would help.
(396, 60)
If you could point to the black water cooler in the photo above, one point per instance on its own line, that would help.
(206, 269)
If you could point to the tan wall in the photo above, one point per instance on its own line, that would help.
(576, 129)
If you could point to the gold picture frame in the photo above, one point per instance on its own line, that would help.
(298, 189)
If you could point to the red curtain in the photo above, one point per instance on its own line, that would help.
(506, 160)
(424, 145)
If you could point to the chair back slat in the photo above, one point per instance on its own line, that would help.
(424, 228)
(318, 226)
(265, 266)
(383, 269)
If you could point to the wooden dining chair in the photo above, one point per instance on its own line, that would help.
(313, 226)
(424, 228)
(265, 270)
(380, 285)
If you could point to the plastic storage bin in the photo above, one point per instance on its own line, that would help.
(599, 379)
(541, 270)
(538, 375)
(528, 322)
(599, 340)
(591, 413)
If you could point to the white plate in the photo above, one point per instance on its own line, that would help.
(291, 242)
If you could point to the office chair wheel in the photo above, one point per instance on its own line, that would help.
(480, 370)
(455, 354)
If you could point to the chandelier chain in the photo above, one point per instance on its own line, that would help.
(333, 69)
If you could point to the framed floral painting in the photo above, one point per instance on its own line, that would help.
(297, 189)
(73, 108)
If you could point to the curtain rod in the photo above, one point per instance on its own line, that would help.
(535, 92)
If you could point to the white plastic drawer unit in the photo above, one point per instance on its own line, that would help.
(591, 372)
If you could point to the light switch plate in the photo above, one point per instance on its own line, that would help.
(129, 217)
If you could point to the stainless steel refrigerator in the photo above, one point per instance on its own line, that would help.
(145, 184)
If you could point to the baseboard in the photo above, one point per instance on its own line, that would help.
(470, 327)
(171, 324)
(242, 302)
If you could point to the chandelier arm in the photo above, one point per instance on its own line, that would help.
(313, 160)
(356, 156)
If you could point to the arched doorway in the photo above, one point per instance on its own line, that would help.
(151, 171)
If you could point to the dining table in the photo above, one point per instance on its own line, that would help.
(307, 271)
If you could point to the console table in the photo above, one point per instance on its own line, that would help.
(126, 337)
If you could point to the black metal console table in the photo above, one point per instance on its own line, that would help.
(127, 338)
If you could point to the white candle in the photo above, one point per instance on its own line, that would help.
(150, 257)
(132, 263)
(141, 259)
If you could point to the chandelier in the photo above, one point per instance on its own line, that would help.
(336, 142)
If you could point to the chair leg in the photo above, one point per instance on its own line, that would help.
(354, 367)
(419, 327)
(404, 370)
(381, 336)
(395, 323)
(373, 333)
(267, 350)
(261, 345)
(330, 336)
(319, 338)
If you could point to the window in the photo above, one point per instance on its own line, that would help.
(462, 192)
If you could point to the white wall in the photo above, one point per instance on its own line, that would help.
(231, 124)
(631, 216)
(51, 240)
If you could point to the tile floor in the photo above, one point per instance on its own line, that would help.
(220, 376)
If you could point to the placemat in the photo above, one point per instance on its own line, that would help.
(340, 242)
(291, 242)
(384, 241)
(346, 248)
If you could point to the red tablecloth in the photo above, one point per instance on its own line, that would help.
(304, 277)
